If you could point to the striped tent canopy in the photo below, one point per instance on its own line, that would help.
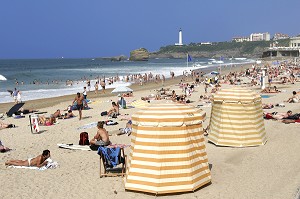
(140, 104)
(237, 119)
(168, 151)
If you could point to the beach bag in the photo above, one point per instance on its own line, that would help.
(104, 113)
(84, 139)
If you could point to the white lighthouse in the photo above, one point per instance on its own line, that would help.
(179, 39)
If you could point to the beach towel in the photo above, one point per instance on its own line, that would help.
(50, 165)
(118, 145)
(110, 123)
(87, 126)
(111, 155)
(19, 116)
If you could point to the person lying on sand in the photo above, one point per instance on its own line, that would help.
(294, 98)
(4, 126)
(271, 90)
(278, 116)
(130, 94)
(127, 130)
(267, 106)
(291, 121)
(38, 161)
(3, 148)
(24, 111)
(47, 121)
(68, 115)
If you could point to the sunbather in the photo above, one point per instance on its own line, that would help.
(68, 115)
(3, 148)
(38, 161)
(102, 137)
(24, 111)
(270, 90)
(267, 106)
(287, 121)
(127, 130)
(3, 125)
(114, 111)
(47, 121)
(278, 116)
(294, 98)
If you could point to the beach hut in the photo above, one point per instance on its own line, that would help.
(237, 119)
(167, 153)
(140, 104)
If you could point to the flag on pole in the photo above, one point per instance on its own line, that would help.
(189, 58)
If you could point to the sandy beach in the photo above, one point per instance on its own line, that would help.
(268, 171)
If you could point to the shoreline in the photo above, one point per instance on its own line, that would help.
(49, 102)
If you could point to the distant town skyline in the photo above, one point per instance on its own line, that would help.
(79, 29)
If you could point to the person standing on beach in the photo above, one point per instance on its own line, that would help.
(102, 84)
(79, 99)
(89, 85)
(19, 98)
(15, 95)
(96, 87)
(84, 93)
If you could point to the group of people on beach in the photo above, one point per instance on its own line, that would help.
(101, 137)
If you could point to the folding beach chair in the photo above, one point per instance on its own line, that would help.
(34, 123)
(112, 161)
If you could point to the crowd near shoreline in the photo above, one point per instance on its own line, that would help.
(268, 171)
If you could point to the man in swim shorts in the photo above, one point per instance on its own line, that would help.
(101, 138)
(38, 161)
(79, 99)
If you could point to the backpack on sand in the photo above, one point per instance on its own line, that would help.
(84, 139)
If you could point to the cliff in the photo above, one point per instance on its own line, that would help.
(257, 52)
(141, 54)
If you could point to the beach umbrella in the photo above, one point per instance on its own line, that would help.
(214, 73)
(167, 152)
(140, 104)
(237, 119)
(14, 109)
(2, 78)
(122, 89)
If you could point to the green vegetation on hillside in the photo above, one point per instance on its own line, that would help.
(244, 47)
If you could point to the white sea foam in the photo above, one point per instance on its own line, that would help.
(52, 74)
(49, 93)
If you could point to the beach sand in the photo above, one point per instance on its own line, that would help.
(269, 171)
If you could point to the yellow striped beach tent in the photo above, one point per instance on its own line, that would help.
(168, 152)
(237, 119)
(140, 104)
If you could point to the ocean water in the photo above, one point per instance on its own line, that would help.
(52, 74)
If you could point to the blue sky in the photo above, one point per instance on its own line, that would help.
(98, 28)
